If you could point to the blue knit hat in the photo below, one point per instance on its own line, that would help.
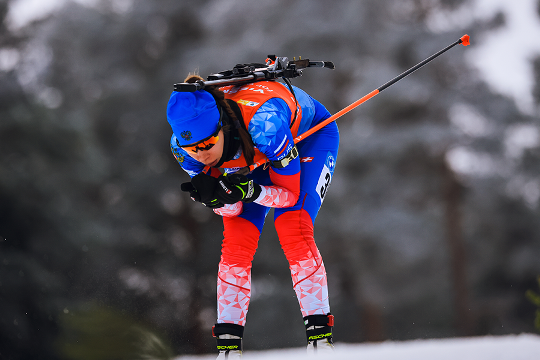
(193, 116)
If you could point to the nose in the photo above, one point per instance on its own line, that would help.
(204, 156)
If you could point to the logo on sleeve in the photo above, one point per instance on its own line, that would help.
(330, 162)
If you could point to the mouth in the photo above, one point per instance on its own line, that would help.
(213, 163)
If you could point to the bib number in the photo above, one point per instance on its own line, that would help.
(324, 182)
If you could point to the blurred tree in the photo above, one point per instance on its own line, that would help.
(536, 70)
(433, 209)
(96, 333)
(535, 299)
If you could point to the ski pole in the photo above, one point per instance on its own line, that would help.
(463, 40)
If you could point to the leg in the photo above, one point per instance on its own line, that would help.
(294, 225)
(295, 229)
(241, 236)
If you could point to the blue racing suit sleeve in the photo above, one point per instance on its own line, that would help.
(269, 129)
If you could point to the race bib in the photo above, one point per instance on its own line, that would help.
(326, 176)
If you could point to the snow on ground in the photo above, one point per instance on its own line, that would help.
(510, 347)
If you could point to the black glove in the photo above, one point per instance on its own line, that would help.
(235, 187)
(202, 188)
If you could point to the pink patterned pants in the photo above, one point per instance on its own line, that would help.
(295, 231)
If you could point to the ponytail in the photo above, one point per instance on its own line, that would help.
(245, 139)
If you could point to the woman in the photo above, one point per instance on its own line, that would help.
(230, 128)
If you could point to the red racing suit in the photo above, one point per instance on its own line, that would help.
(296, 191)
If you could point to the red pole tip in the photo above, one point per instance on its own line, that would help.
(465, 40)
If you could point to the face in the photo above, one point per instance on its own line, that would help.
(212, 156)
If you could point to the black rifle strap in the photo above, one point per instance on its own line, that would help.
(287, 81)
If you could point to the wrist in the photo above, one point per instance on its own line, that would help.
(253, 192)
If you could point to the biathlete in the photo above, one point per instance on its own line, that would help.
(229, 128)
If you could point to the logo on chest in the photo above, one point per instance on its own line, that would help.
(247, 103)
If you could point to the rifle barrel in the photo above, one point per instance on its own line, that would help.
(191, 87)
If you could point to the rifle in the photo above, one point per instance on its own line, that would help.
(275, 67)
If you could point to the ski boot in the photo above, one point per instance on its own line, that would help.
(319, 333)
(229, 340)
